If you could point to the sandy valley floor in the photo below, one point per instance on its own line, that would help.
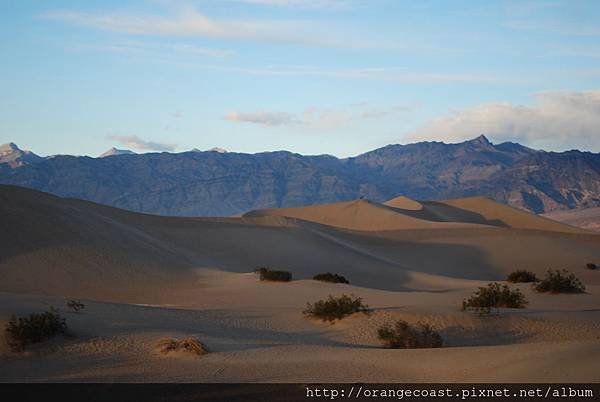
(144, 277)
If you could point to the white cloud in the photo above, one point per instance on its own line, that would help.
(133, 141)
(262, 118)
(556, 120)
(188, 22)
(156, 49)
(314, 117)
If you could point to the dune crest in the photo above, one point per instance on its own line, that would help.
(404, 202)
(144, 278)
(403, 213)
(355, 215)
(509, 216)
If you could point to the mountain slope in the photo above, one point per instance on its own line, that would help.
(586, 218)
(11, 155)
(114, 151)
(223, 184)
(548, 181)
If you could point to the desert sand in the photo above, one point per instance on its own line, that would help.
(144, 278)
(586, 218)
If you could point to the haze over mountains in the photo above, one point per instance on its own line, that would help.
(217, 183)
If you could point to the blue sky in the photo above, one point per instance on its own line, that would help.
(323, 76)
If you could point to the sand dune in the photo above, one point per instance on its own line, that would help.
(509, 216)
(67, 247)
(146, 277)
(365, 215)
(405, 203)
(404, 213)
(587, 218)
(266, 342)
(355, 215)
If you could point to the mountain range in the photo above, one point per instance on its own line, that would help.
(218, 183)
(11, 155)
(114, 151)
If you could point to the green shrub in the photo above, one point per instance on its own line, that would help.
(560, 282)
(591, 266)
(403, 336)
(494, 296)
(75, 305)
(336, 308)
(34, 328)
(521, 276)
(267, 274)
(329, 277)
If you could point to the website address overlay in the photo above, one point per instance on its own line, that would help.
(400, 392)
(297, 392)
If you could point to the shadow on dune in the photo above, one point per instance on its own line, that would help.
(223, 330)
(59, 246)
(29, 222)
(68, 247)
(442, 212)
(226, 331)
(414, 251)
(457, 336)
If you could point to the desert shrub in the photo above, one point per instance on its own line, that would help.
(329, 277)
(520, 276)
(494, 296)
(336, 308)
(591, 266)
(404, 336)
(188, 345)
(36, 327)
(75, 305)
(267, 274)
(557, 281)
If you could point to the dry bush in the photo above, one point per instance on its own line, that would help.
(521, 276)
(329, 277)
(75, 305)
(267, 274)
(188, 345)
(404, 336)
(494, 296)
(34, 328)
(560, 282)
(336, 308)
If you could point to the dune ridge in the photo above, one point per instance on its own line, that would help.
(404, 213)
(585, 218)
(145, 277)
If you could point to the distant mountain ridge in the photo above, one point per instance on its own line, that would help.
(114, 151)
(211, 183)
(13, 156)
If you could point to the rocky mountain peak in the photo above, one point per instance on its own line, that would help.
(196, 184)
(13, 156)
(481, 140)
(114, 151)
(9, 148)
